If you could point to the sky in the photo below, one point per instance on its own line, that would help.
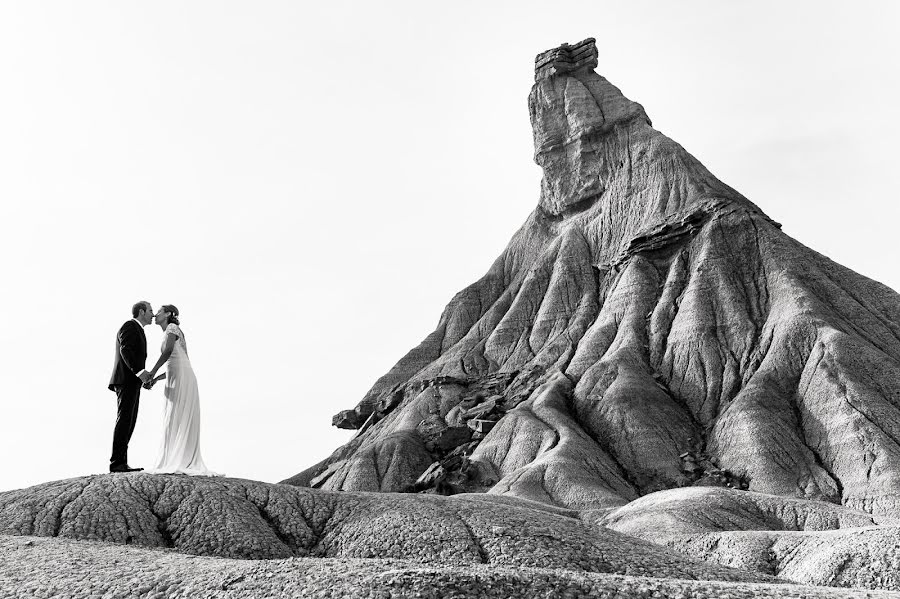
(311, 183)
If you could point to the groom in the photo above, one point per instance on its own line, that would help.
(128, 374)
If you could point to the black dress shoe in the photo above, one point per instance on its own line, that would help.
(124, 468)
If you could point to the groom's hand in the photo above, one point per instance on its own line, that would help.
(145, 377)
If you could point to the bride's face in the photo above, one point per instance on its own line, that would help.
(161, 318)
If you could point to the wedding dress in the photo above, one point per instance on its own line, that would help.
(180, 449)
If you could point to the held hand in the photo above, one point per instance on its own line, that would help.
(145, 377)
(149, 384)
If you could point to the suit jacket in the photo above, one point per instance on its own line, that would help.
(131, 355)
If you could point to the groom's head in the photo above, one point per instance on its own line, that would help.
(142, 312)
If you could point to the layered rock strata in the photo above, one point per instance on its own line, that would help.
(644, 313)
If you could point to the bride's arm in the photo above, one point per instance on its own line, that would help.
(166, 352)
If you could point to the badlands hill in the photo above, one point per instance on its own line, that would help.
(653, 392)
(647, 328)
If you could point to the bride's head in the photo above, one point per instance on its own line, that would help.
(167, 315)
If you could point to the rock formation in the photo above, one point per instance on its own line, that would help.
(810, 542)
(252, 520)
(266, 538)
(647, 328)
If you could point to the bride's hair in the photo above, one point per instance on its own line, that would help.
(173, 313)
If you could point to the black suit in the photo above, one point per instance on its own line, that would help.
(131, 358)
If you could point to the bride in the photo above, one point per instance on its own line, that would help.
(180, 449)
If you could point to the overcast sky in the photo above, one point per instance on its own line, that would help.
(310, 183)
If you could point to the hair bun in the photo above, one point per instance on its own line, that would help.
(173, 313)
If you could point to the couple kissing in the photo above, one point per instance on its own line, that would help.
(179, 451)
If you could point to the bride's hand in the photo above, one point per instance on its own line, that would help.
(149, 384)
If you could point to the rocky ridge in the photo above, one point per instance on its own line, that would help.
(240, 519)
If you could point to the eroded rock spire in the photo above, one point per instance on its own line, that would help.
(572, 110)
(647, 328)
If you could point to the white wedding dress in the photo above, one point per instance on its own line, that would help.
(180, 449)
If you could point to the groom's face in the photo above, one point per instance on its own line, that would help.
(146, 316)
